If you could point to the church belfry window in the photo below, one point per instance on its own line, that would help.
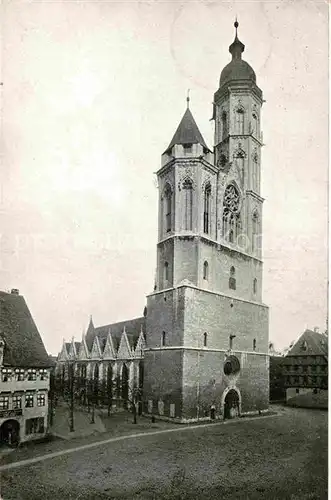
(240, 120)
(232, 279)
(207, 209)
(188, 204)
(205, 270)
(187, 148)
(168, 207)
(231, 214)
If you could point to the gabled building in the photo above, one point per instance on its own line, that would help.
(305, 370)
(24, 373)
(110, 357)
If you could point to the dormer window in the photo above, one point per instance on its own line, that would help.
(187, 148)
(304, 346)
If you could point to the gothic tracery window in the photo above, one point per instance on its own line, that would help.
(188, 204)
(207, 209)
(231, 214)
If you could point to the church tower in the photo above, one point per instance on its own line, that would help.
(207, 328)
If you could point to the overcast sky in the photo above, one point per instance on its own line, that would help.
(92, 94)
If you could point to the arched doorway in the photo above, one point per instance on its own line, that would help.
(10, 433)
(231, 403)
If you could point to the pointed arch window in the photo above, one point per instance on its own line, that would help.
(254, 286)
(166, 271)
(232, 279)
(205, 338)
(205, 270)
(168, 207)
(240, 120)
(224, 121)
(255, 230)
(188, 203)
(207, 209)
(231, 214)
(163, 339)
(254, 344)
(255, 170)
(254, 124)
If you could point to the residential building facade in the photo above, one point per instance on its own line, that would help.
(25, 373)
(305, 370)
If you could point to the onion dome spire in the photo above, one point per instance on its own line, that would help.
(237, 47)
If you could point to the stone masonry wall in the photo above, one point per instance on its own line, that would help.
(220, 316)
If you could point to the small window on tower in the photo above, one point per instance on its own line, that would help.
(166, 271)
(205, 270)
(187, 148)
(254, 344)
(163, 339)
(254, 286)
(232, 279)
(205, 339)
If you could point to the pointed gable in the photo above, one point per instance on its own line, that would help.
(187, 132)
(64, 354)
(109, 351)
(139, 350)
(96, 351)
(310, 343)
(83, 353)
(23, 343)
(90, 334)
(124, 350)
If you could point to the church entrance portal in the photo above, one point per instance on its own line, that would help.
(10, 433)
(231, 404)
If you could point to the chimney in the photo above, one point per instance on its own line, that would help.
(15, 291)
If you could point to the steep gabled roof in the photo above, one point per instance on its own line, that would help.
(187, 132)
(23, 344)
(132, 327)
(310, 343)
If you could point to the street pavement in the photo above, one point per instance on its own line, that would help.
(273, 457)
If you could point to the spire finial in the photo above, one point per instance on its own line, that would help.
(236, 24)
(188, 98)
(236, 48)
